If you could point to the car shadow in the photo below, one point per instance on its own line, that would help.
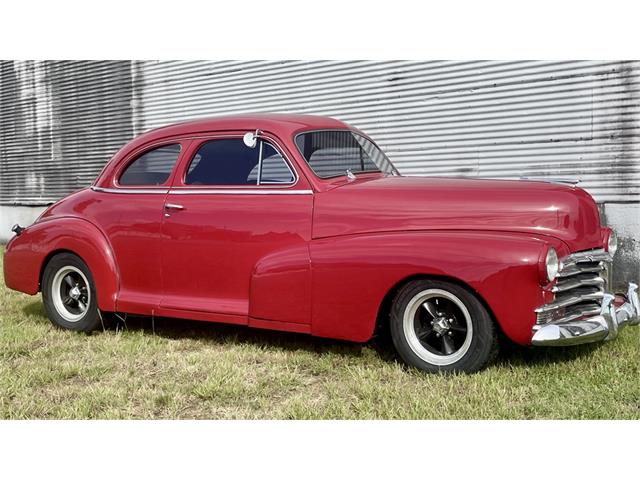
(35, 309)
(511, 355)
(220, 334)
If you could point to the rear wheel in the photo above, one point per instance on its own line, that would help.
(68, 293)
(440, 326)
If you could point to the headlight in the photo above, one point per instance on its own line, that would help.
(552, 264)
(612, 243)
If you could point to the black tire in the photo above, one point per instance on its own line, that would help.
(55, 283)
(471, 337)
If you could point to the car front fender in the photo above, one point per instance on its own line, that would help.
(352, 275)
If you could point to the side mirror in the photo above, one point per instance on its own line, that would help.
(251, 138)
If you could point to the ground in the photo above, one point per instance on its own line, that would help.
(198, 370)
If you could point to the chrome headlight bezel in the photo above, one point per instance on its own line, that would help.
(552, 264)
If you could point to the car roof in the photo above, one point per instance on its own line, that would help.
(281, 123)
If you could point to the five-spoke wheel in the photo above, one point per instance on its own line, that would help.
(68, 293)
(437, 325)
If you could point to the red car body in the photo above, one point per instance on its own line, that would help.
(322, 256)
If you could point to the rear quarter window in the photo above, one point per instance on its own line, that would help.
(152, 167)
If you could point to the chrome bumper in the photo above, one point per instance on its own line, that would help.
(604, 326)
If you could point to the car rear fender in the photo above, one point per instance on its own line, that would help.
(27, 255)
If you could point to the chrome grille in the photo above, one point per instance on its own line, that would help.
(579, 288)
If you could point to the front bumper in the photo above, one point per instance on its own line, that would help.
(604, 326)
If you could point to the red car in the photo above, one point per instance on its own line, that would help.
(301, 223)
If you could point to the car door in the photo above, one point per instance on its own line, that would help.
(130, 212)
(236, 229)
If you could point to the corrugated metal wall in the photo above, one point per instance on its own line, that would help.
(60, 121)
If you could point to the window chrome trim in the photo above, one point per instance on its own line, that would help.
(288, 163)
(263, 137)
(260, 164)
(163, 191)
(237, 191)
(196, 191)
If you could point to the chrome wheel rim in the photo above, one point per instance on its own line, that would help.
(437, 326)
(70, 293)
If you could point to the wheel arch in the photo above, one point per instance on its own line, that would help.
(384, 308)
(88, 243)
(47, 259)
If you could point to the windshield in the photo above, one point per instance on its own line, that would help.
(330, 153)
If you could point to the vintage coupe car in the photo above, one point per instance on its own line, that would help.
(301, 223)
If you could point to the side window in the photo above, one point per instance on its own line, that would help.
(274, 168)
(231, 162)
(152, 167)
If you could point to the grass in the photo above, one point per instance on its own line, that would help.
(199, 370)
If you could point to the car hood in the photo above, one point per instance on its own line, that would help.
(426, 203)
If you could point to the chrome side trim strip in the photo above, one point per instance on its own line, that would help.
(228, 191)
(162, 191)
(196, 191)
(567, 181)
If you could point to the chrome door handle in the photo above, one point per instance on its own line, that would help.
(173, 206)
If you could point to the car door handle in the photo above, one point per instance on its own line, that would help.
(173, 206)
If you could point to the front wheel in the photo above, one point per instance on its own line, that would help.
(69, 294)
(440, 326)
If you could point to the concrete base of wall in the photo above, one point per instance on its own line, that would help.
(623, 218)
(10, 215)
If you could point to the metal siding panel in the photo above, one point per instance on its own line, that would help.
(60, 121)
(491, 119)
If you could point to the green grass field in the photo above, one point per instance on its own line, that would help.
(199, 370)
